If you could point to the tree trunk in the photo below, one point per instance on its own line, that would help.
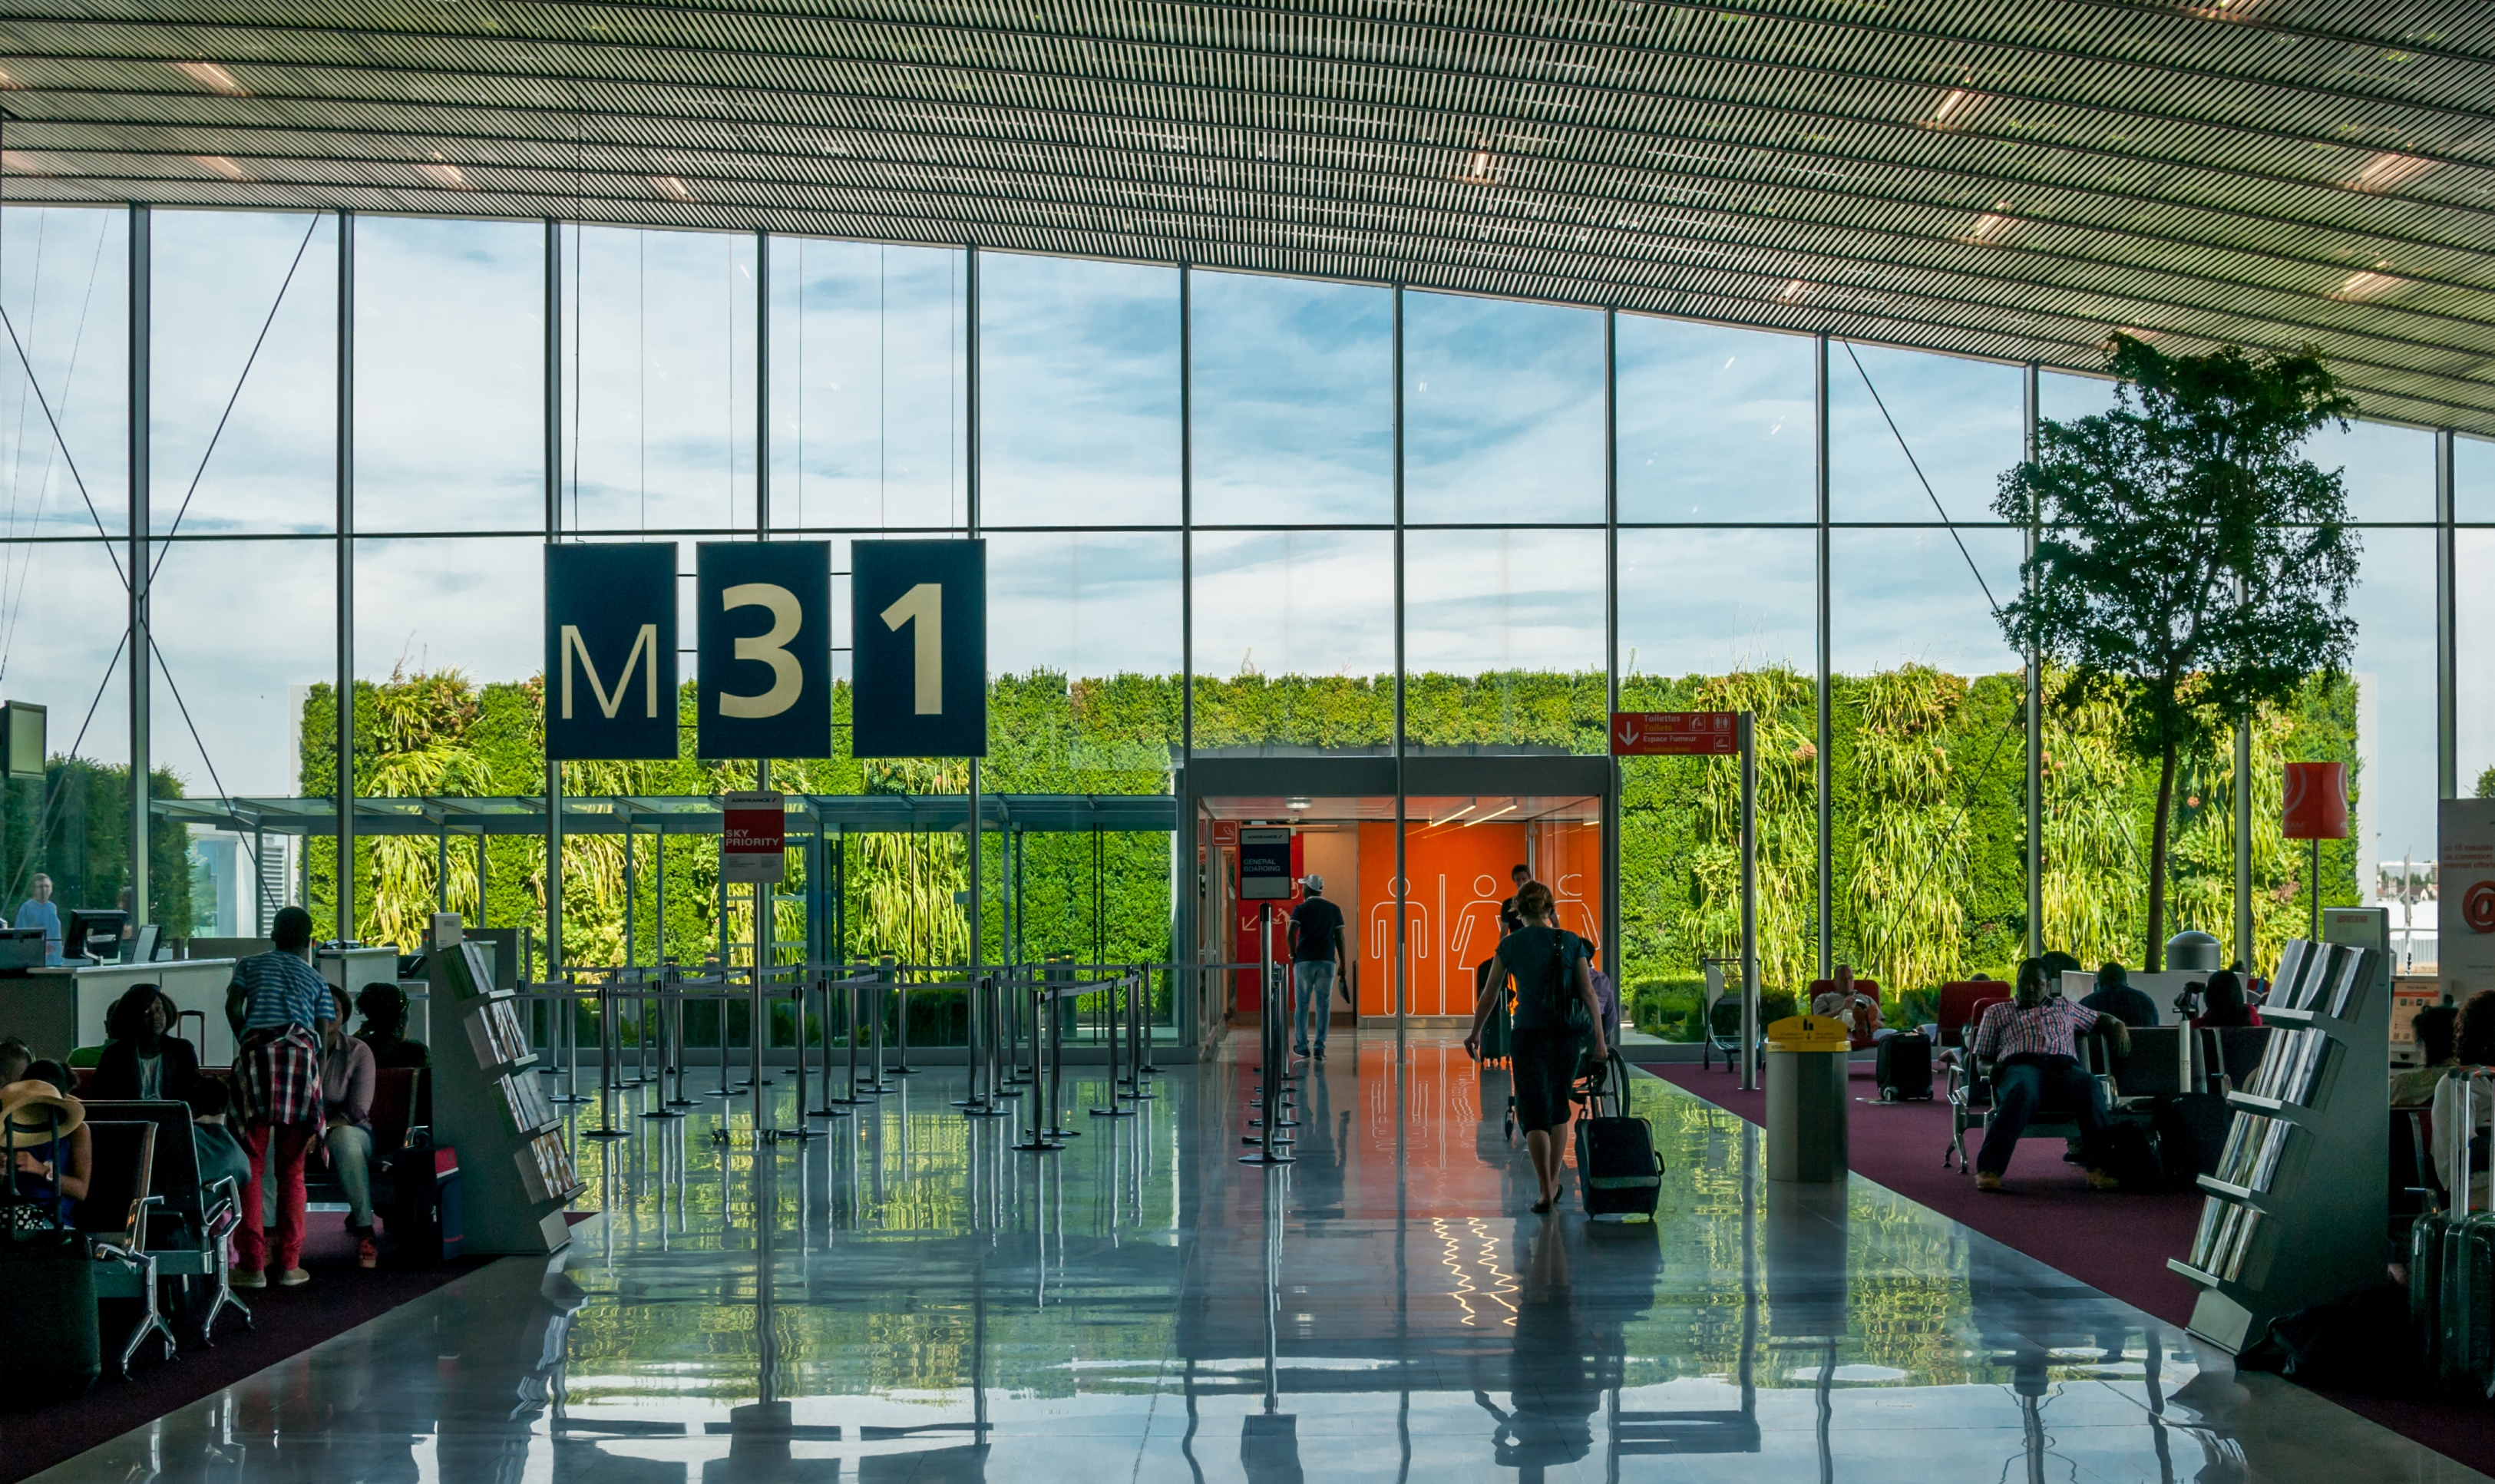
(2155, 957)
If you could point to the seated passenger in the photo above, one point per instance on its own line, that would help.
(15, 1056)
(347, 1126)
(2434, 1028)
(2115, 997)
(46, 1130)
(384, 1011)
(1844, 1001)
(2032, 1044)
(2225, 1003)
(140, 1060)
(221, 1154)
(2473, 1049)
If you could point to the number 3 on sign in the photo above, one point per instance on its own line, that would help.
(923, 605)
(787, 676)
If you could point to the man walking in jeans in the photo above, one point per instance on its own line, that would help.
(1316, 953)
(280, 1009)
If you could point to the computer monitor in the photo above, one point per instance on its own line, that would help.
(94, 932)
(21, 950)
(140, 947)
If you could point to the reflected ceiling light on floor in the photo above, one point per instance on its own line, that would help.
(671, 188)
(1952, 107)
(209, 76)
(2389, 173)
(219, 165)
(443, 172)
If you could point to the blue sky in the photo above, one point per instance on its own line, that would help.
(1293, 399)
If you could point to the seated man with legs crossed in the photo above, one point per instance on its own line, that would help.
(2032, 1042)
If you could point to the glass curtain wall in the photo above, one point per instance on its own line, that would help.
(1195, 486)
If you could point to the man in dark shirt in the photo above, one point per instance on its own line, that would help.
(1316, 954)
(1509, 918)
(2115, 997)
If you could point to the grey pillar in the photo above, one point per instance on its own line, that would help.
(1403, 886)
(2035, 666)
(1611, 826)
(142, 669)
(553, 412)
(2447, 630)
(345, 741)
(1186, 989)
(1824, 725)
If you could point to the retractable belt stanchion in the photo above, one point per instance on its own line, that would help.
(725, 992)
(839, 1107)
(611, 1074)
(1054, 994)
(1145, 1046)
(1112, 989)
(832, 1106)
(984, 995)
(1138, 1017)
(567, 1038)
(672, 1007)
(900, 1068)
(1041, 1085)
(974, 1101)
(671, 1049)
(885, 979)
(1269, 1075)
(1001, 1044)
(801, 1129)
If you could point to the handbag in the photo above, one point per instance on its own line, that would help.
(34, 1217)
(1571, 1008)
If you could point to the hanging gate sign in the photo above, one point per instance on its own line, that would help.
(753, 838)
(919, 646)
(610, 650)
(763, 626)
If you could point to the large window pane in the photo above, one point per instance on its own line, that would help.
(1294, 639)
(1503, 634)
(2397, 787)
(1078, 392)
(1294, 401)
(867, 376)
(1926, 767)
(243, 372)
(1688, 641)
(449, 394)
(2474, 642)
(2388, 471)
(659, 367)
(1502, 411)
(468, 613)
(1716, 423)
(2473, 468)
(1090, 608)
(1965, 421)
(241, 698)
(65, 281)
(2061, 397)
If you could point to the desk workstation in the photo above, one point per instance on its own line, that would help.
(59, 1008)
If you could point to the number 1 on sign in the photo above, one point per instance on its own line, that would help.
(924, 603)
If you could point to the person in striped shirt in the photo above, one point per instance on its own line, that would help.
(2032, 1044)
(280, 1009)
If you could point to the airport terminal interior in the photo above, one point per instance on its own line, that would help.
(1594, 740)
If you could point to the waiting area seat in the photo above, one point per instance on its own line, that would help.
(114, 1217)
(190, 1220)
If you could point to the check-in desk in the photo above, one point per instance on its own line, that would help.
(351, 969)
(59, 1010)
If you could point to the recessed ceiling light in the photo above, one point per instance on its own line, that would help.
(443, 172)
(1296, 804)
(1479, 169)
(1952, 105)
(2388, 171)
(672, 188)
(209, 76)
(2367, 284)
(1991, 224)
(18, 162)
(1792, 292)
(219, 165)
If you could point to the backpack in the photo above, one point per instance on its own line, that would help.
(1569, 1007)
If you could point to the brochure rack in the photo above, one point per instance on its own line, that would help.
(517, 1174)
(2296, 1212)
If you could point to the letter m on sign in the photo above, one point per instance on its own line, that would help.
(610, 611)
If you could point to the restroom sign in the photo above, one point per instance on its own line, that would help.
(753, 838)
(1675, 734)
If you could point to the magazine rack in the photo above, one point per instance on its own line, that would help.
(516, 1176)
(2296, 1212)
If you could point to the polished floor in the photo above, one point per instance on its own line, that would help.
(911, 1298)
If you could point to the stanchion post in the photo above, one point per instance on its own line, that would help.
(1748, 738)
(1115, 1012)
(884, 974)
(1041, 1115)
(1147, 1067)
(1271, 1083)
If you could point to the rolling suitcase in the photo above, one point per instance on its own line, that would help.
(1617, 1171)
(1902, 1068)
(47, 1318)
(2191, 1135)
(2465, 1316)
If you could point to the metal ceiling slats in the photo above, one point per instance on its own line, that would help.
(2109, 163)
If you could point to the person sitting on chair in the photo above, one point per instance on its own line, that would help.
(385, 1028)
(46, 1131)
(2032, 1046)
(2115, 997)
(2434, 1028)
(140, 1062)
(2226, 1005)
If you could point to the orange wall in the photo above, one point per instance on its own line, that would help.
(1459, 876)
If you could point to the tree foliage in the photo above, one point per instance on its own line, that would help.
(2191, 564)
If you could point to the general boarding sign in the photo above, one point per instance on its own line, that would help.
(1675, 734)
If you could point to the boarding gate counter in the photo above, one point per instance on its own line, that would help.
(56, 1011)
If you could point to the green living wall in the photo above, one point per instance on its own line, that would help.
(1927, 823)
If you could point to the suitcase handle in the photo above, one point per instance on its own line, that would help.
(2463, 1136)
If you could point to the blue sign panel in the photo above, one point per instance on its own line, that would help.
(610, 651)
(919, 637)
(763, 614)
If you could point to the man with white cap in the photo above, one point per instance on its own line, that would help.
(1316, 954)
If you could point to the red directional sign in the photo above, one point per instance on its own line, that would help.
(1675, 734)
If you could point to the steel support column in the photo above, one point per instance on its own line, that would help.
(2034, 707)
(1186, 988)
(553, 413)
(1823, 725)
(345, 740)
(143, 669)
(1403, 886)
(1611, 890)
(2447, 628)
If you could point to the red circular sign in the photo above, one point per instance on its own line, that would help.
(2477, 907)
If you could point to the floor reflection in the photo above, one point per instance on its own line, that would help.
(910, 1297)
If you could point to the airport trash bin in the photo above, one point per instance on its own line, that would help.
(1806, 1099)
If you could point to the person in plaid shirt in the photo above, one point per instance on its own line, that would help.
(280, 1007)
(2033, 1044)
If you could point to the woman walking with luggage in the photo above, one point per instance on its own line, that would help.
(1557, 1019)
